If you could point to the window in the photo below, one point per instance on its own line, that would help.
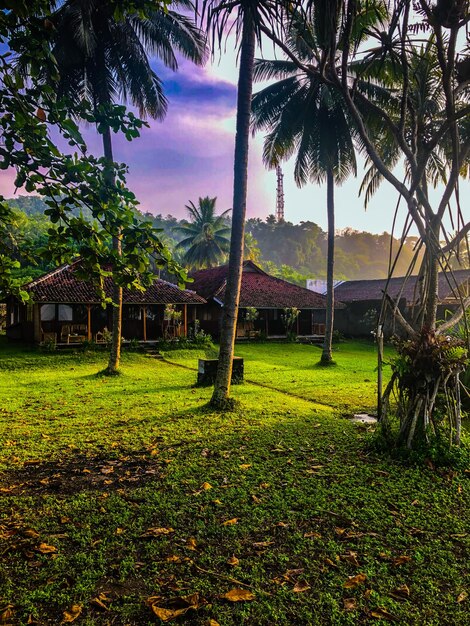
(207, 316)
(47, 312)
(65, 313)
(134, 312)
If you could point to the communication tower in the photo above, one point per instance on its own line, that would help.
(280, 195)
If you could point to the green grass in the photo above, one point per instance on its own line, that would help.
(88, 464)
(349, 385)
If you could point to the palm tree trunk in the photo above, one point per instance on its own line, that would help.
(115, 351)
(220, 397)
(327, 354)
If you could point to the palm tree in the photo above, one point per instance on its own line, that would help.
(205, 237)
(306, 116)
(105, 60)
(248, 19)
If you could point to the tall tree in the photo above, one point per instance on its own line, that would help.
(205, 237)
(426, 374)
(104, 59)
(308, 117)
(248, 19)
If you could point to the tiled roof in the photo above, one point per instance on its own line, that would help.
(63, 285)
(355, 290)
(258, 289)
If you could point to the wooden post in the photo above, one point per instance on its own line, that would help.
(380, 353)
(37, 323)
(89, 336)
(185, 319)
(144, 320)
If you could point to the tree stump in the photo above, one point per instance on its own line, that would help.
(207, 369)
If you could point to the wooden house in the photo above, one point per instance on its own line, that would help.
(65, 309)
(363, 299)
(265, 293)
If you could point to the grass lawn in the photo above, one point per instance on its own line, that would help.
(117, 490)
(294, 368)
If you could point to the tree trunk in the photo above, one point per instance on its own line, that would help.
(327, 354)
(220, 397)
(115, 351)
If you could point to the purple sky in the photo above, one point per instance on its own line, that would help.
(190, 154)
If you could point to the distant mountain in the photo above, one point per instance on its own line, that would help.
(35, 205)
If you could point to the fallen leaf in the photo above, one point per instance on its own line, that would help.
(255, 499)
(233, 561)
(354, 581)
(173, 559)
(72, 614)
(367, 594)
(340, 531)
(401, 593)
(350, 557)
(329, 562)
(349, 604)
(206, 486)
(312, 535)
(238, 595)
(380, 613)
(245, 466)
(191, 544)
(212, 622)
(43, 548)
(218, 502)
(101, 600)
(157, 532)
(230, 522)
(400, 560)
(30, 532)
(6, 614)
(462, 597)
(293, 573)
(301, 586)
(119, 531)
(170, 609)
(282, 525)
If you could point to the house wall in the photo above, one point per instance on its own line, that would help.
(359, 319)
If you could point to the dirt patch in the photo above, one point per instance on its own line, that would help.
(80, 473)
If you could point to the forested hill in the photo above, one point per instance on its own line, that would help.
(292, 251)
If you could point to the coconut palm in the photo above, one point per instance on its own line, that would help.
(248, 19)
(105, 60)
(206, 236)
(306, 116)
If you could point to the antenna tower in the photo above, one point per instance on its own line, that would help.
(280, 195)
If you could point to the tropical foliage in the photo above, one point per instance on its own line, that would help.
(206, 236)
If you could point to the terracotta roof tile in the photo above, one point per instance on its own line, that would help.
(258, 289)
(62, 285)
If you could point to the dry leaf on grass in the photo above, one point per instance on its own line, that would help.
(167, 610)
(30, 532)
(43, 548)
(245, 466)
(6, 614)
(312, 535)
(173, 558)
(354, 581)
(191, 544)
(102, 601)
(238, 595)
(350, 557)
(400, 560)
(462, 597)
(212, 622)
(301, 586)
(233, 561)
(381, 613)
(230, 522)
(349, 604)
(401, 593)
(72, 614)
(157, 532)
(206, 486)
